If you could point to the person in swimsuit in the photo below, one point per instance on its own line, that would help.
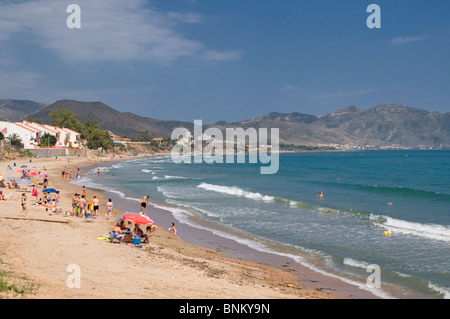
(144, 203)
(174, 231)
(117, 232)
(109, 209)
(139, 232)
(24, 205)
(82, 206)
(75, 201)
(96, 204)
(34, 193)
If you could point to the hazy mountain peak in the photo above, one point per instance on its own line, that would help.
(347, 110)
(393, 108)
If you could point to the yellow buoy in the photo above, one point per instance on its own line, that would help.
(387, 232)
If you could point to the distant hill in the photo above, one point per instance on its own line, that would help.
(383, 125)
(123, 124)
(15, 110)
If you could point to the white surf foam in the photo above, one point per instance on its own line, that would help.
(182, 216)
(445, 292)
(355, 263)
(430, 231)
(236, 191)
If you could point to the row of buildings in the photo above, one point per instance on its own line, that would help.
(31, 133)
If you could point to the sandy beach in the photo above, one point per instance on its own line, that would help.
(41, 251)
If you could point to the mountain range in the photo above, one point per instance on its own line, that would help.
(382, 125)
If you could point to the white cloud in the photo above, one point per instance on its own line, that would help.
(405, 40)
(111, 30)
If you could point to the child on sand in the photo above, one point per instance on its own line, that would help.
(174, 231)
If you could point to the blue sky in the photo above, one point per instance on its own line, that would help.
(227, 59)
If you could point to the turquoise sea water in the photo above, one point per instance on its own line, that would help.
(341, 234)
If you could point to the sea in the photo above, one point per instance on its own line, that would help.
(383, 224)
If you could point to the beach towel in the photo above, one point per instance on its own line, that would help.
(91, 205)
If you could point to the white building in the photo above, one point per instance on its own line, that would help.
(28, 135)
(31, 133)
(73, 138)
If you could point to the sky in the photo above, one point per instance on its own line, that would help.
(229, 60)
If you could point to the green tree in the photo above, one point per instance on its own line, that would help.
(144, 136)
(89, 130)
(99, 138)
(88, 127)
(47, 140)
(64, 118)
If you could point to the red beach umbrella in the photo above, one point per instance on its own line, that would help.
(33, 174)
(140, 219)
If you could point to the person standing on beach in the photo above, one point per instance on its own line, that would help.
(144, 203)
(34, 193)
(96, 204)
(82, 206)
(75, 204)
(109, 209)
(24, 205)
(84, 192)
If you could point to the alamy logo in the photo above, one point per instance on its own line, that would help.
(211, 147)
(374, 20)
(74, 19)
(374, 280)
(74, 279)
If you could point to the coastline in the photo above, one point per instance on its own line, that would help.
(234, 245)
(202, 265)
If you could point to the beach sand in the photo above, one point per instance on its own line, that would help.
(36, 252)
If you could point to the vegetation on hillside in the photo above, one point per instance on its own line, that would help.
(89, 130)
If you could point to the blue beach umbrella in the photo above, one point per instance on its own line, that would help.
(49, 190)
(23, 166)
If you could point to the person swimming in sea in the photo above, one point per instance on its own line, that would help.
(320, 195)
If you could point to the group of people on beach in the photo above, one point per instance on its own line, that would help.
(71, 174)
(123, 233)
(80, 208)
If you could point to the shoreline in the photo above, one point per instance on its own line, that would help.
(223, 272)
(205, 234)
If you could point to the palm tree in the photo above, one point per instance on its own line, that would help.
(15, 140)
